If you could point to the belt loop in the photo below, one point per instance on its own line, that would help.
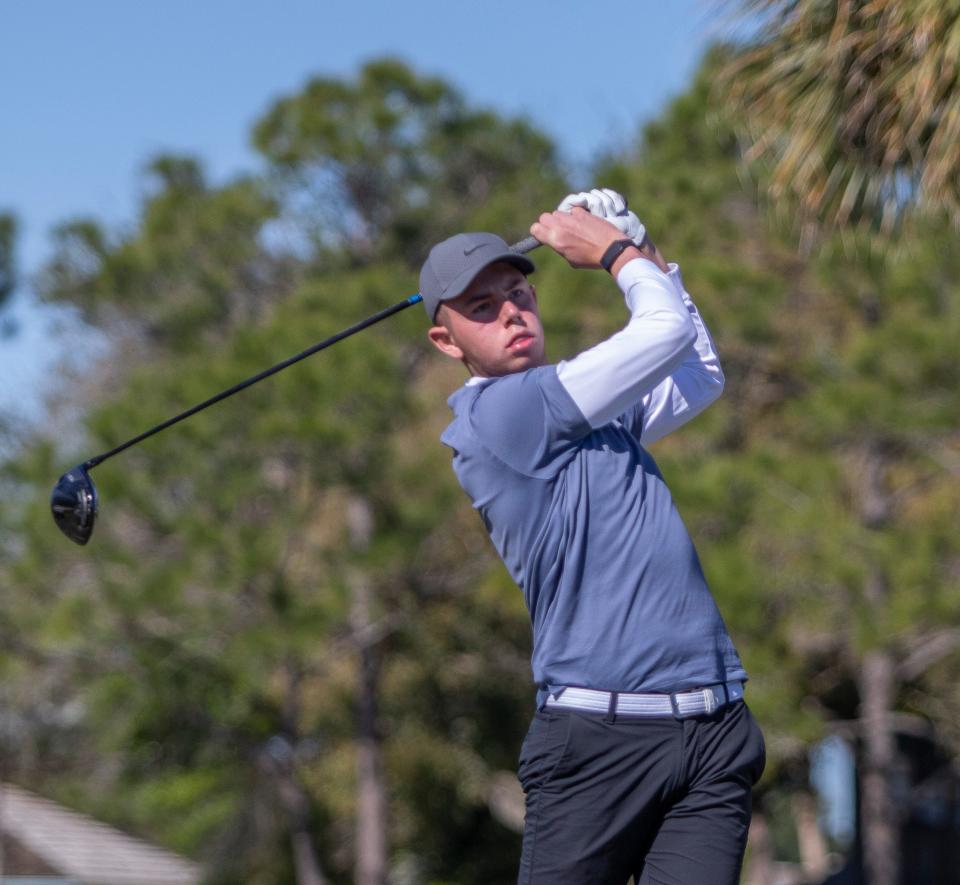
(612, 709)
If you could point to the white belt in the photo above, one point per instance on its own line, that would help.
(679, 704)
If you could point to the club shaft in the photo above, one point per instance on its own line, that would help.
(523, 246)
(266, 373)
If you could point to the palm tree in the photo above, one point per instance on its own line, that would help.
(852, 106)
(851, 109)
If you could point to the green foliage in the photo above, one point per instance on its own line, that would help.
(809, 478)
(211, 616)
(195, 268)
(853, 106)
(160, 676)
(386, 165)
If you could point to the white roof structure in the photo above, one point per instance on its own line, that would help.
(83, 849)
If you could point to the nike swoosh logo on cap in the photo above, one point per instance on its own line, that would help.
(473, 249)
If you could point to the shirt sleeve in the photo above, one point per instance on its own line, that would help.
(657, 372)
(528, 421)
(690, 388)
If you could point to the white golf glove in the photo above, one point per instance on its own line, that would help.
(607, 204)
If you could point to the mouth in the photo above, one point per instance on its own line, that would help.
(521, 341)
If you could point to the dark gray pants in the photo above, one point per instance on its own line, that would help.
(663, 800)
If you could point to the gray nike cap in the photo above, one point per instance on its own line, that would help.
(451, 266)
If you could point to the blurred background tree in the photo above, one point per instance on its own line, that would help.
(850, 115)
(226, 647)
(8, 271)
(854, 106)
(382, 167)
(8, 274)
(290, 651)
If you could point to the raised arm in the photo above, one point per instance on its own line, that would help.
(662, 368)
(690, 388)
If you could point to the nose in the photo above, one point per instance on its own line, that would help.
(509, 311)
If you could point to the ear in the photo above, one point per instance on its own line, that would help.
(443, 341)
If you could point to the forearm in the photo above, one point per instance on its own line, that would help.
(617, 373)
(663, 366)
(691, 387)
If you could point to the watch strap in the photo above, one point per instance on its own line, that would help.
(614, 250)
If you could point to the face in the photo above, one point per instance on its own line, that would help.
(494, 326)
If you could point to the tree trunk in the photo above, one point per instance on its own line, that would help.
(296, 804)
(371, 824)
(371, 784)
(877, 678)
(814, 857)
(760, 869)
(305, 863)
(880, 831)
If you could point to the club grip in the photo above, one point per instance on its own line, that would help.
(527, 244)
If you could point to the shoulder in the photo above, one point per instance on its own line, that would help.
(521, 396)
(521, 418)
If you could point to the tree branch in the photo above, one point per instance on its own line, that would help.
(927, 651)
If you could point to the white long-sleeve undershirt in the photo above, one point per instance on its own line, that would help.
(663, 357)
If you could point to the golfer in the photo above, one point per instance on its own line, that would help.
(641, 755)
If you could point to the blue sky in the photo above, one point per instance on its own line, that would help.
(89, 91)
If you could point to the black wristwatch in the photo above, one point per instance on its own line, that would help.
(614, 250)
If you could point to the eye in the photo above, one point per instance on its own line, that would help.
(479, 308)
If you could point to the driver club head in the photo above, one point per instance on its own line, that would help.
(74, 504)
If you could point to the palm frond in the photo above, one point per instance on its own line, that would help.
(853, 105)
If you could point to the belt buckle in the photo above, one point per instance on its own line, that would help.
(710, 702)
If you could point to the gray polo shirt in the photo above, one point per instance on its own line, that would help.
(585, 523)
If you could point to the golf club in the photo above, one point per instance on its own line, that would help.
(74, 501)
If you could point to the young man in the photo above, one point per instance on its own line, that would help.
(641, 756)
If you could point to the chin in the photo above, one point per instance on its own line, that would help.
(522, 364)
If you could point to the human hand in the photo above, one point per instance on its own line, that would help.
(608, 204)
(577, 235)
